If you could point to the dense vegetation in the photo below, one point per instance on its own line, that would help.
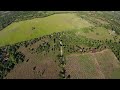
(9, 57)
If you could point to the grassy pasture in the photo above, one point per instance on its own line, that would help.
(29, 29)
(98, 33)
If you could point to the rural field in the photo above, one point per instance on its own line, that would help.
(60, 45)
(29, 29)
(99, 65)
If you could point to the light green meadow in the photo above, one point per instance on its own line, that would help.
(21, 31)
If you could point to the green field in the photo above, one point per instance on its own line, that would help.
(116, 74)
(29, 29)
(98, 33)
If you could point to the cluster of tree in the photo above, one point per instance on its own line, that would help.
(115, 47)
(62, 63)
(3, 55)
(70, 43)
(43, 47)
(9, 57)
(5, 21)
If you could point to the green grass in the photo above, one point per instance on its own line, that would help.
(21, 31)
(98, 33)
(116, 74)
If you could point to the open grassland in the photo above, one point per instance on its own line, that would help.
(97, 33)
(93, 65)
(29, 29)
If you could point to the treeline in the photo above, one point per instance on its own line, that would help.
(6, 18)
(75, 44)
(115, 47)
(12, 16)
(71, 43)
